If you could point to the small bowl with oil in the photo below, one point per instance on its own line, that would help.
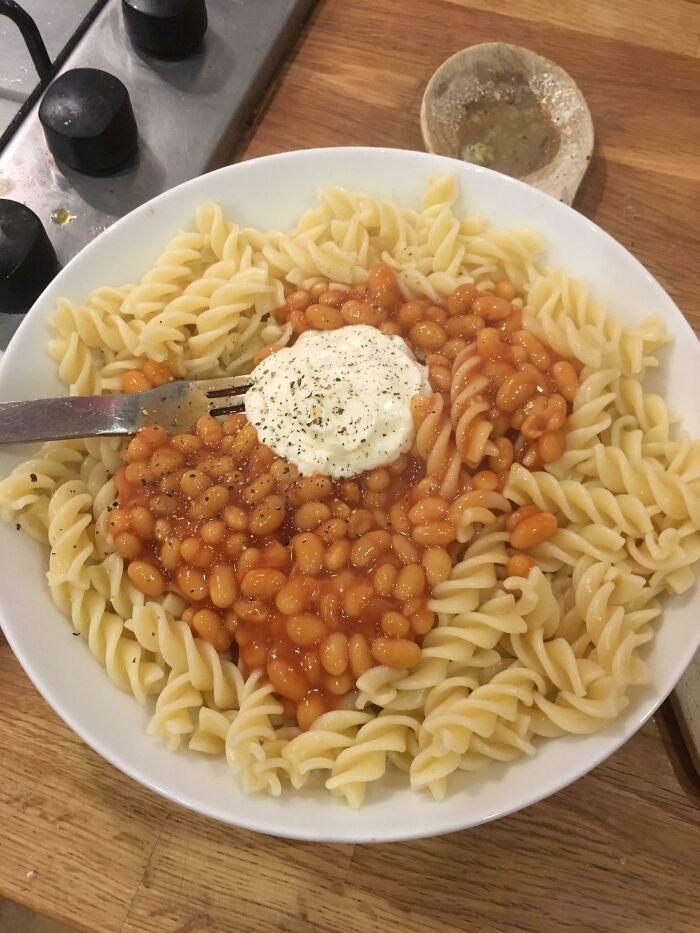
(511, 110)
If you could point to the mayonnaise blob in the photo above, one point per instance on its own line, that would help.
(337, 401)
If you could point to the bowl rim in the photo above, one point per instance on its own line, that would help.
(617, 734)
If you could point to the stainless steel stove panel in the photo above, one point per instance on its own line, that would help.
(57, 21)
(189, 115)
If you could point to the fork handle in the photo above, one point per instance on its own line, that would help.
(58, 418)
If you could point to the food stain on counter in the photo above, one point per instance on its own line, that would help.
(61, 216)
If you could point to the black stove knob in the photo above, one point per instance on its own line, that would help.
(88, 121)
(166, 28)
(27, 258)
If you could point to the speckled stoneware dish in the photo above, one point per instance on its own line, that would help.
(550, 113)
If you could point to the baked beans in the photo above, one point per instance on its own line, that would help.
(300, 575)
(532, 529)
(316, 581)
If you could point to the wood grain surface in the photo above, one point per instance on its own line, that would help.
(616, 851)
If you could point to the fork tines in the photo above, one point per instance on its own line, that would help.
(226, 395)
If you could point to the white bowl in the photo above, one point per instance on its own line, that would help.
(272, 192)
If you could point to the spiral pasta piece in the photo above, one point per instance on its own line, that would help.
(484, 627)
(442, 191)
(69, 516)
(226, 240)
(401, 691)
(434, 443)
(173, 718)
(498, 254)
(577, 502)
(556, 660)
(127, 664)
(540, 607)
(681, 456)
(649, 411)
(250, 731)
(95, 328)
(178, 265)
(210, 731)
(108, 577)
(108, 299)
(38, 477)
(444, 243)
(297, 260)
(475, 510)
(613, 634)
(459, 716)
(507, 743)
(164, 336)
(213, 675)
(318, 747)
(568, 545)
(587, 421)
(644, 479)
(390, 227)
(474, 573)
(468, 407)
(668, 557)
(78, 365)
(602, 704)
(366, 759)
(96, 474)
(462, 717)
(562, 312)
(559, 313)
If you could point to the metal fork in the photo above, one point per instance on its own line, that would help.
(176, 406)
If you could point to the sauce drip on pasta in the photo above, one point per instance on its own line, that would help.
(316, 581)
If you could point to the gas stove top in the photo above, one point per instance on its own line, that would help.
(59, 25)
(182, 77)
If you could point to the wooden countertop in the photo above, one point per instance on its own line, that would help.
(617, 850)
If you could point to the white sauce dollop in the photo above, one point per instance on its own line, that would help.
(337, 402)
